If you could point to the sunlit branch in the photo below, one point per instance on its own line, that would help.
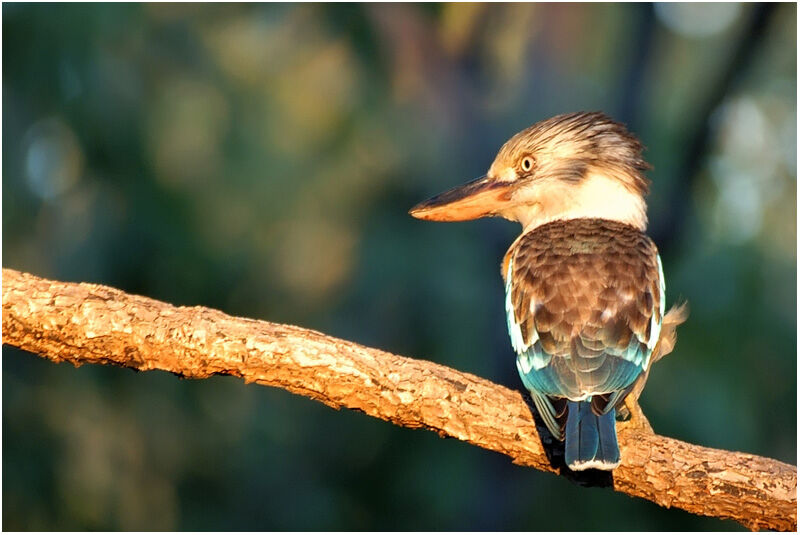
(88, 323)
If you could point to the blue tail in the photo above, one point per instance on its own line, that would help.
(590, 440)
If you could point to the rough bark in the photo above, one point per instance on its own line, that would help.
(89, 323)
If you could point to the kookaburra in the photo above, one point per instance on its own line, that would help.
(584, 283)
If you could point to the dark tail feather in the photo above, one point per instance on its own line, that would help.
(591, 439)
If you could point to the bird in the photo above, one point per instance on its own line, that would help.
(584, 284)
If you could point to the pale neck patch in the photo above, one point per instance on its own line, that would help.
(596, 196)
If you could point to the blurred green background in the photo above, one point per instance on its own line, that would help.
(261, 159)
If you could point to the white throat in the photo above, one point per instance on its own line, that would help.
(596, 196)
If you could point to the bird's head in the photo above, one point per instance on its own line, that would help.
(576, 165)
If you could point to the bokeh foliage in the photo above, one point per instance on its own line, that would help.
(260, 159)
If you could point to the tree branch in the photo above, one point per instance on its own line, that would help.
(89, 323)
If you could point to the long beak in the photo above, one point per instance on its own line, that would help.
(479, 198)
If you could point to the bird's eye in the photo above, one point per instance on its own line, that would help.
(527, 163)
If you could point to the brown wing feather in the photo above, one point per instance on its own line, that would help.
(583, 286)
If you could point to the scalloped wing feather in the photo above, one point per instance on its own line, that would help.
(584, 306)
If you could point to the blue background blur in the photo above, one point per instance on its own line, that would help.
(261, 160)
